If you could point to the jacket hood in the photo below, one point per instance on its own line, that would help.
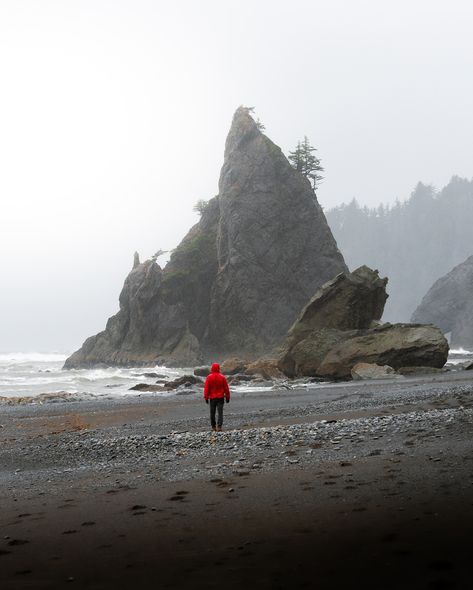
(215, 368)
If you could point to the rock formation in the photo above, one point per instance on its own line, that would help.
(238, 279)
(396, 345)
(339, 328)
(449, 305)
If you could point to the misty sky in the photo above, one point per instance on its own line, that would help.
(113, 117)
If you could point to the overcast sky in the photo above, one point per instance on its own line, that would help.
(113, 117)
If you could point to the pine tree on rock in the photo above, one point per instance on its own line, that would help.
(306, 162)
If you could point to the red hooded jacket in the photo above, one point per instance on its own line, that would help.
(216, 385)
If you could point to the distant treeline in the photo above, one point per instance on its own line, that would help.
(413, 243)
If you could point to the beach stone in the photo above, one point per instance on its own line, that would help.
(186, 380)
(202, 371)
(147, 387)
(266, 368)
(420, 370)
(363, 371)
(232, 366)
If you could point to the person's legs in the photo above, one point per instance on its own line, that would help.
(213, 407)
(220, 413)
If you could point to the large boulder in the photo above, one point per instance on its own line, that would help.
(396, 345)
(339, 328)
(238, 279)
(345, 304)
(449, 305)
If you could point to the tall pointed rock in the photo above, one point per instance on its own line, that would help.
(274, 245)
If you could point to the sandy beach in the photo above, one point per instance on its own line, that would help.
(361, 484)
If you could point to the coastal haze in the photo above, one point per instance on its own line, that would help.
(114, 118)
(132, 293)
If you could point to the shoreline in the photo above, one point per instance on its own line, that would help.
(376, 477)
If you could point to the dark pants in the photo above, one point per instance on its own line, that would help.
(216, 405)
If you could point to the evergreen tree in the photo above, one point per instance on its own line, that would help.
(200, 206)
(306, 162)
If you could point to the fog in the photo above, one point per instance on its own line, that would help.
(113, 117)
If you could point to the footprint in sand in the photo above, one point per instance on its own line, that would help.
(15, 542)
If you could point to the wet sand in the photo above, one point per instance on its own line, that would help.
(373, 500)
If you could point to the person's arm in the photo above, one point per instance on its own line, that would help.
(206, 389)
(226, 389)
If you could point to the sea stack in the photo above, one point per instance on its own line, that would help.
(239, 278)
(449, 305)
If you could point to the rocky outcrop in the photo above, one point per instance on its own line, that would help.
(345, 304)
(339, 328)
(449, 305)
(147, 329)
(396, 345)
(237, 281)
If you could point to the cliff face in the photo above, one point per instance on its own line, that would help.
(239, 278)
(449, 305)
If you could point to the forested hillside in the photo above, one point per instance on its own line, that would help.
(413, 243)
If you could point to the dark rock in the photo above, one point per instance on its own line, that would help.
(240, 378)
(152, 375)
(202, 371)
(186, 380)
(236, 282)
(449, 305)
(147, 387)
(420, 370)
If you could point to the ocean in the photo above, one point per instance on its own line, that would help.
(41, 374)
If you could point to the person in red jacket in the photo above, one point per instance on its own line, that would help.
(215, 391)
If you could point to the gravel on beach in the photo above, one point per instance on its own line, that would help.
(377, 477)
